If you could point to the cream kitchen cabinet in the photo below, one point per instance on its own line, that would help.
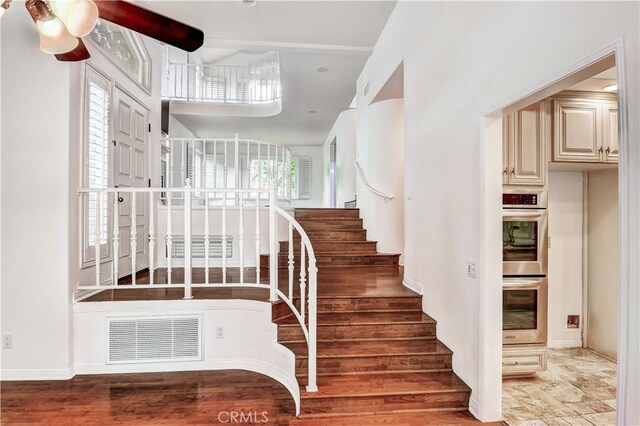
(610, 132)
(585, 130)
(524, 148)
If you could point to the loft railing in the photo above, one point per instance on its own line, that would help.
(227, 164)
(254, 84)
(150, 236)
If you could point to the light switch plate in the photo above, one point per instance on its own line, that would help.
(471, 268)
(219, 332)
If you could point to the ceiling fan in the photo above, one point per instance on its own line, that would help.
(62, 23)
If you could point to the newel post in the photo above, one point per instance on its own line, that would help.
(273, 244)
(187, 240)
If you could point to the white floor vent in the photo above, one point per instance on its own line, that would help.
(154, 339)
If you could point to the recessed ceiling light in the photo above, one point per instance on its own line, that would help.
(311, 111)
(250, 3)
(321, 69)
(611, 88)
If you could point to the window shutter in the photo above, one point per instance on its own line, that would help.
(304, 178)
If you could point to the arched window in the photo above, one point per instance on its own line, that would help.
(125, 49)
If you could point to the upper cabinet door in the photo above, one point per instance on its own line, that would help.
(528, 153)
(610, 132)
(577, 135)
(507, 137)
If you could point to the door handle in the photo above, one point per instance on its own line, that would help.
(608, 150)
(513, 171)
(506, 170)
(600, 150)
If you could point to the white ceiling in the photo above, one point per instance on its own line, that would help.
(335, 34)
(345, 23)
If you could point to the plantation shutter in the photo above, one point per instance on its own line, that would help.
(304, 178)
(97, 137)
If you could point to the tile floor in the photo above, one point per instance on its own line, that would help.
(578, 388)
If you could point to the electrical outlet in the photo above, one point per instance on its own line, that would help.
(219, 332)
(7, 341)
(471, 268)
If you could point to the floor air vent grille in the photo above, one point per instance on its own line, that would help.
(153, 339)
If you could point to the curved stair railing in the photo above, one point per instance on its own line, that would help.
(385, 197)
(205, 231)
(307, 310)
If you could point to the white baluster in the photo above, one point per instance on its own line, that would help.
(303, 278)
(171, 165)
(98, 234)
(134, 236)
(273, 245)
(224, 237)
(215, 167)
(226, 166)
(187, 240)
(259, 166)
(291, 261)
(152, 238)
(312, 324)
(116, 236)
(185, 161)
(241, 238)
(257, 237)
(236, 167)
(206, 238)
(169, 238)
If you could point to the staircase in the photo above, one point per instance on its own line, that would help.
(379, 361)
(339, 240)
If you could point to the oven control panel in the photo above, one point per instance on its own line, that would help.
(520, 199)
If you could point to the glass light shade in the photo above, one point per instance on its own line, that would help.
(54, 37)
(80, 16)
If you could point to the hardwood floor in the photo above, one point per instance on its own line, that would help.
(185, 398)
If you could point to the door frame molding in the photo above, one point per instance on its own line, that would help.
(490, 315)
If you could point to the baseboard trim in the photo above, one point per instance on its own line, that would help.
(12, 375)
(563, 344)
(412, 285)
(474, 408)
(287, 380)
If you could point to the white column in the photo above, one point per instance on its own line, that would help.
(187, 240)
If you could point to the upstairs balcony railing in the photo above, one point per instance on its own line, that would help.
(257, 83)
(227, 164)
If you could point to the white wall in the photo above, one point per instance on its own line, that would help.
(602, 292)
(380, 153)
(315, 152)
(36, 204)
(565, 258)
(42, 132)
(461, 62)
(344, 132)
(249, 338)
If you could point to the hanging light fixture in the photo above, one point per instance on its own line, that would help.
(54, 36)
(4, 6)
(79, 16)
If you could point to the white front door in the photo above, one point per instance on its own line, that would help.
(131, 139)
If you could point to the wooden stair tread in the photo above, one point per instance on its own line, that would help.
(409, 418)
(370, 318)
(370, 348)
(375, 384)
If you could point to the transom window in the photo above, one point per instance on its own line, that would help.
(125, 49)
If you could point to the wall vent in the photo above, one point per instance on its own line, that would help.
(197, 247)
(154, 339)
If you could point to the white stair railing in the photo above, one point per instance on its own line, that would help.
(385, 197)
(227, 164)
(114, 209)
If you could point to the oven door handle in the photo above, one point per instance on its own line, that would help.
(523, 284)
(520, 213)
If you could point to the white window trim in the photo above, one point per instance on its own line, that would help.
(87, 252)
